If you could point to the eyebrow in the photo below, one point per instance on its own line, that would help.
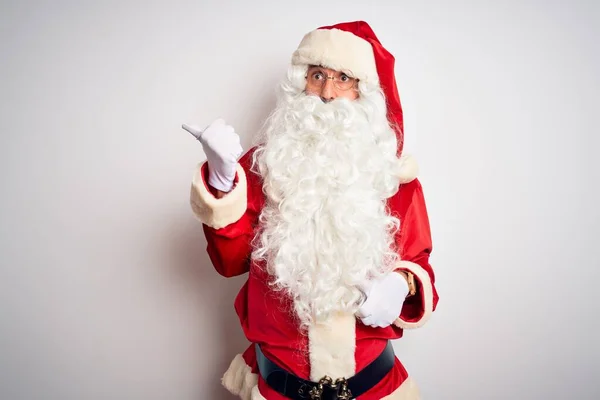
(320, 68)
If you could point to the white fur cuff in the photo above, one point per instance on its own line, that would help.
(218, 213)
(426, 293)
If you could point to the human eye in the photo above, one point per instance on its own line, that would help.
(345, 78)
(317, 75)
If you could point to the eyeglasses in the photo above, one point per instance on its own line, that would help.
(315, 80)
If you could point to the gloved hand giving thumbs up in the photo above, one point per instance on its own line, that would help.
(222, 148)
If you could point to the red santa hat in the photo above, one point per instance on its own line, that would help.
(353, 48)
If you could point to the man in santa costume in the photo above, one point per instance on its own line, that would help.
(327, 217)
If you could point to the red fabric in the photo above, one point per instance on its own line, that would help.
(228, 247)
(262, 312)
(384, 61)
(414, 242)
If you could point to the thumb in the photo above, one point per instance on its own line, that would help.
(193, 129)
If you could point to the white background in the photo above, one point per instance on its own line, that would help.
(106, 291)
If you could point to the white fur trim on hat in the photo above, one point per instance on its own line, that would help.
(338, 50)
(218, 213)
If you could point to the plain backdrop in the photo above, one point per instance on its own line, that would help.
(106, 290)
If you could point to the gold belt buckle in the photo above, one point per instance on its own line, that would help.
(343, 393)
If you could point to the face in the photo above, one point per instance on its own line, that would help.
(319, 82)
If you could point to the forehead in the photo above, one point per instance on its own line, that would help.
(326, 70)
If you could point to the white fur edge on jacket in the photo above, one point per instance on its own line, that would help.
(338, 50)
(409, 168)
(218, 213)
(427, 294)
(240, 381)
(331, 346)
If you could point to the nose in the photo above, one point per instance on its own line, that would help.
(328, 91)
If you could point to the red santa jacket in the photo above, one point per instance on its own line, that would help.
(229, 224)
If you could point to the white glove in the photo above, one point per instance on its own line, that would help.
(222, 148)
(385, 298)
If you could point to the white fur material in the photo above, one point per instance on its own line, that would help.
(409, 169)
(338, 50)
(240, 380)
(255, 395)
(407, 391)
(218, 213)
(426, 288)
(331, 347)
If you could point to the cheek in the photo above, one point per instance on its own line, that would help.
(350, 94)
(310, 91)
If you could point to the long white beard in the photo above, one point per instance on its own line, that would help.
(327, 171)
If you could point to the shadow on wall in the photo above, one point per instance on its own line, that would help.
(217, 315)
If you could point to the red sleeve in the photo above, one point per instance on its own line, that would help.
(229, 240)
(414, 243)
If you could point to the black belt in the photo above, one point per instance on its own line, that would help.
(297, 388)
